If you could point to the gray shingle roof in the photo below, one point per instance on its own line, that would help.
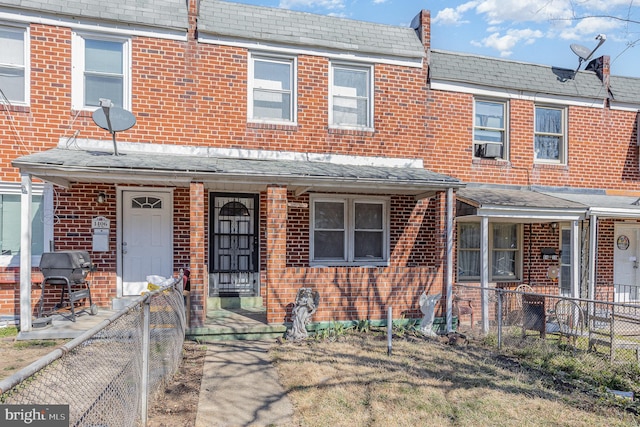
(65, 162)
(171, 14)
(521, 76)
(520, 198)
(281, 26)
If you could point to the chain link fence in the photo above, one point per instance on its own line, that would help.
(603, 331)
(108, 374)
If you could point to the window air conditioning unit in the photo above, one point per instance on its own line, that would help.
(489, 150)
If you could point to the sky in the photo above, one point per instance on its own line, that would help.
(536, 31)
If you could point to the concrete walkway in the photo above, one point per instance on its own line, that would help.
(240, 387)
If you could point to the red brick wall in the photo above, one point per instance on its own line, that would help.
(602, 150)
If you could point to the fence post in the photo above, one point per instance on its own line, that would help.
(144, 380)
(499, 314)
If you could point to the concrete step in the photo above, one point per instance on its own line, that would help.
(248, 302)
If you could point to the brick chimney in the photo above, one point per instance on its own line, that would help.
(422, 24)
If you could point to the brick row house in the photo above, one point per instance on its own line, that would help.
(271, 150)
(274, 150)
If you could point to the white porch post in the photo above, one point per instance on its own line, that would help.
(25, 253)
(593, 247)
(449, 272)
(575, 261)
(484, 271)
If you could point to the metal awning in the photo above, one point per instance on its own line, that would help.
(605, 204)
(508, 204)
(63, 166)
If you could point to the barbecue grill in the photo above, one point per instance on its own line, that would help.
(67, 270)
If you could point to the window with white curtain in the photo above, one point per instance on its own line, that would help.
(550, 128)
(272, 88)
(14, 64)
(490, 129)
(101, 69)
(505, 252)
(347, 230)
(351, 100)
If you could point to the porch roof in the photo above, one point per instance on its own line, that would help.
(507, 204)
(544, 204)
(63, 166)
(603, 203)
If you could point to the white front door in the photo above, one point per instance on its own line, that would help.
(146, 245)
(625, 262)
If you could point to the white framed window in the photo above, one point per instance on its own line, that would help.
(10, 218)
(550, 135)
(101, 69)
(351, 96)
(14, 64)
(349, 230)
(505, 251)
(490, 134)
(272, 89)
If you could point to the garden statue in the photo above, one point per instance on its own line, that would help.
(306, 304)
(428, 308)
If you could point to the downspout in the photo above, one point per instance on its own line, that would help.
(449, 271)
(25, 252)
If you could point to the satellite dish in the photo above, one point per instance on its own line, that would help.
(583, 53)
(114, 119)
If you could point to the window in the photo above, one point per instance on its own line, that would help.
(346, 230)
(101, 69)
(14, 61)
(351, 101)
(489, 129)
(272, 89)
(550, 128)
(504, 251)
(10, 216)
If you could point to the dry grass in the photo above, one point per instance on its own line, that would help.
(352, 381)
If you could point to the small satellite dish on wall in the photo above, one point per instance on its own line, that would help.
(584, 53)
(114, 119)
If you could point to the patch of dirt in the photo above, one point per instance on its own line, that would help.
(177, 404)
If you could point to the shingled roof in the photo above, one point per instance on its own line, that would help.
(170, 14)
(532, 78)
(285, 27)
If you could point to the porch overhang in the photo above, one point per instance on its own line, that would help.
(605, 203)
(63, 166)
(510, 204)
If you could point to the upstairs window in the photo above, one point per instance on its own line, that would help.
(550, 129)
(490, 129)
(351, 100)
(272, 89)
(14, 61)
(101, 69)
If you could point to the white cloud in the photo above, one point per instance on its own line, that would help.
(451, 16)
(588, 28)
(379, 1)
(497, 11)
(505, 43)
